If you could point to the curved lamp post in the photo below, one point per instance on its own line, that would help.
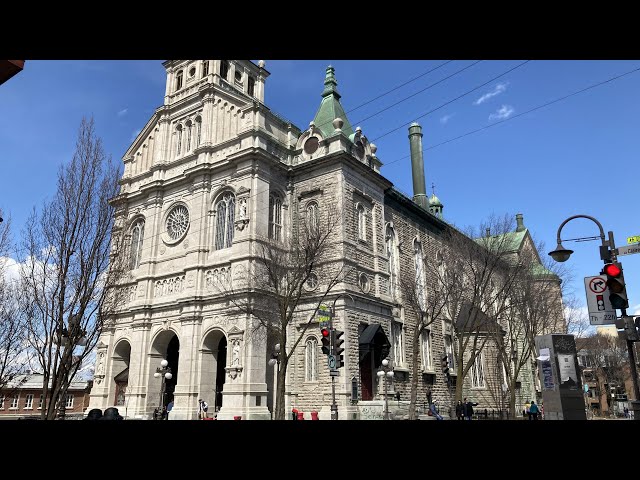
(608, 253)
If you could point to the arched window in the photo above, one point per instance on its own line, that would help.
(179, 80)
(137, 236)
(188, 125)
(224, 68)
(225, 213)
(477, 372)
(311, 360)
(205, 68)
(179, 139)
(198, 130)
(420, 281)
(312, 216)
(392, 256)
(362, 222)
(275, 217)
(251, 86)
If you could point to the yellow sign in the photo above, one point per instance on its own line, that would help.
(635, 239)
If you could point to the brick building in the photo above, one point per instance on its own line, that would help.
(22, 397)
(213, 173)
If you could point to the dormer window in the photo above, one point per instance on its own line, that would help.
(179, 80)
(224, 68)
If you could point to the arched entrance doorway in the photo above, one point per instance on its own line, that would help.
(121, 360)
(374, 347)
(166, 346)
(214, 361)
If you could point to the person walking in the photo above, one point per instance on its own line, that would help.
(169, 408)
(468, 413)
(94, 414)
(533, 411)
(202, 409)
(459, 410)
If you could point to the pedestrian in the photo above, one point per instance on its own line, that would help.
(533, 411)
(111, 413)
(434, 412)
(169, 408)
(94, 414)
(469, 409)
(202, 409)
(156, 413)
(459, 410)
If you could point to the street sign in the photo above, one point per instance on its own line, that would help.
(629, 250)
(324, 313)
(600, 310)
(635, 239)
(331, 359)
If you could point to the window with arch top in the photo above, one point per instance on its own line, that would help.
(312, 216)
(392, 256)
(179, 76)
(362, 222)
(137, 236)
(224, 68)
(420, 280)
(179, 139)
(225, 213)
(311, 360)
(275, 217)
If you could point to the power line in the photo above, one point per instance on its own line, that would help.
(418, 92)
(453, 100)
(523, 113)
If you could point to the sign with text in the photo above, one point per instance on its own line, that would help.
(634, 239)
(629, 250)
(600, 310)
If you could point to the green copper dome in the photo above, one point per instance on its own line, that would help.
(330, 107)
(435, 201)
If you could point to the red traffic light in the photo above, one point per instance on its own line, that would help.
(325, 332)
(612, 270)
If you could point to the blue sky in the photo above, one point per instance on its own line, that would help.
(577, 156)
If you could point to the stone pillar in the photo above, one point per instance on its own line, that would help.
(185, 395)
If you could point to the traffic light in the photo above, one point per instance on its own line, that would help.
(337, 347)
(326, 340)
(445, 367)
(615, 283)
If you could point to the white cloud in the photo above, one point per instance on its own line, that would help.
(636, 309)
(505, 111)
(123, 112)
(446, 118)
(497, 90)
(135, 134)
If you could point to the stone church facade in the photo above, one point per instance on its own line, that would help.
(213, 171)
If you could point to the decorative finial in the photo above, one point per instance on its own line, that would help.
(337, 123)
(433, 188)
(374, 148)
(358, 129)
(261, 63)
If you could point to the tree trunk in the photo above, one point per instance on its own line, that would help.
(413, 397)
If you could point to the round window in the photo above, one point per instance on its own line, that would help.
(312, 282)
(177, 222)
(311, 145)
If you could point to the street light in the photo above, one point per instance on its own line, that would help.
(608, 254)
(385, 371)
(163, 371)
(275, 360)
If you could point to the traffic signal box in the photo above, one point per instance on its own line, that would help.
(338, 348)
(445, 367)
(616, 285)
(326, 340)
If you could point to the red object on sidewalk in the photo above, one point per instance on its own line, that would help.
(237, 417)
(208, 418)
(300, 415)
(314, 415)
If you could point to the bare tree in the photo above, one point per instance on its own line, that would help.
(426, 302)
(479, 276)
(70, 268)
(608, 357)
(534, 308)
(285, 280)
(14, 353)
